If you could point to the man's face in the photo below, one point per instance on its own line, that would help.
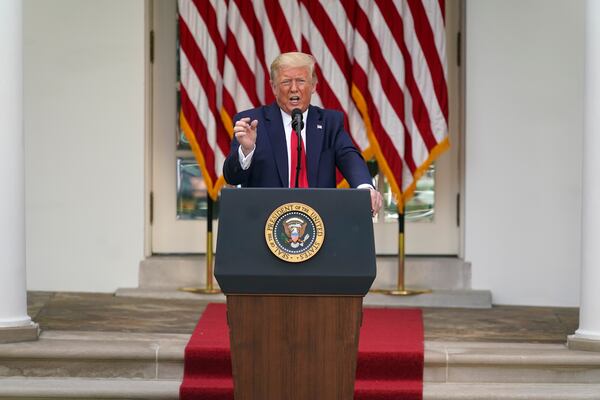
(293, 88)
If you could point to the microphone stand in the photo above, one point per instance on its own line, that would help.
(299, 151)
(297, 126)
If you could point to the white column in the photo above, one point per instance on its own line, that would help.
(589, 316)
(13, 290)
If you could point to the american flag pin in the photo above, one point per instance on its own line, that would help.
(319, 126)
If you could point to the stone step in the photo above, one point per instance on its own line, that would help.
(96, 355)
(85, 388)
(504, 391)
(436, 298)
(480, 362)
(448, 278)
(117, 389)
(437, 273)
(160, 357)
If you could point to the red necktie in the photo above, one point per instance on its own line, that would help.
(302, 180)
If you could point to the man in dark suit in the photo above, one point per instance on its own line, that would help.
(263, 152)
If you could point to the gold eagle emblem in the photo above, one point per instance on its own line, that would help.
(294, 230)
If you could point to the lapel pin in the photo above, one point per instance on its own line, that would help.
(319, 126)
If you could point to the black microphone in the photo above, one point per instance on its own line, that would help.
(297, 125)
(297, 122)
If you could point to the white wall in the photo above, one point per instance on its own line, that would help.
(524, 130)
(84, 143)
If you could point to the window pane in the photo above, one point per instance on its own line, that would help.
(182, 142)
(191, 191)
(421, 207)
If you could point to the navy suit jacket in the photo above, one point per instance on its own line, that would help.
(327, 143)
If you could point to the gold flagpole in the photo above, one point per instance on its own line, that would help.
(401, 289)
(209, 289)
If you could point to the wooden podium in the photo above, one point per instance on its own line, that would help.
(294, 326)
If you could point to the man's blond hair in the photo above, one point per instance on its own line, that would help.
(293, 59)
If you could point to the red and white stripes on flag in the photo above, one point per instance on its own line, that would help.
(381, 62)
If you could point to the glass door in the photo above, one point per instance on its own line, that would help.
(432, 221)
(179, 193)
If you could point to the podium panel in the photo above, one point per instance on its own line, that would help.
(345, 263)
(303, 348)
(294, 264)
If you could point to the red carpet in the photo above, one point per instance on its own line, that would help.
(390, 357)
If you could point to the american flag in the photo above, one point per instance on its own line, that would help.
(381, 62)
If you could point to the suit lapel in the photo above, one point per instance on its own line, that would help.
(315, 134)
(276, 134)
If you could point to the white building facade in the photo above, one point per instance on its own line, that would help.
(88, 146)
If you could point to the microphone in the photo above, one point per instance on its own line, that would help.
(297, 122)
(297, 125)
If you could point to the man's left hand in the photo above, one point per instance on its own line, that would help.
(376, 201)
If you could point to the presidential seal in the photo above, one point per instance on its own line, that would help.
(294, 232)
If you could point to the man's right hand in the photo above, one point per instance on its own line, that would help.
(245, 133)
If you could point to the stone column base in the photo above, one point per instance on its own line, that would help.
(575, 342)
(26, 333)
